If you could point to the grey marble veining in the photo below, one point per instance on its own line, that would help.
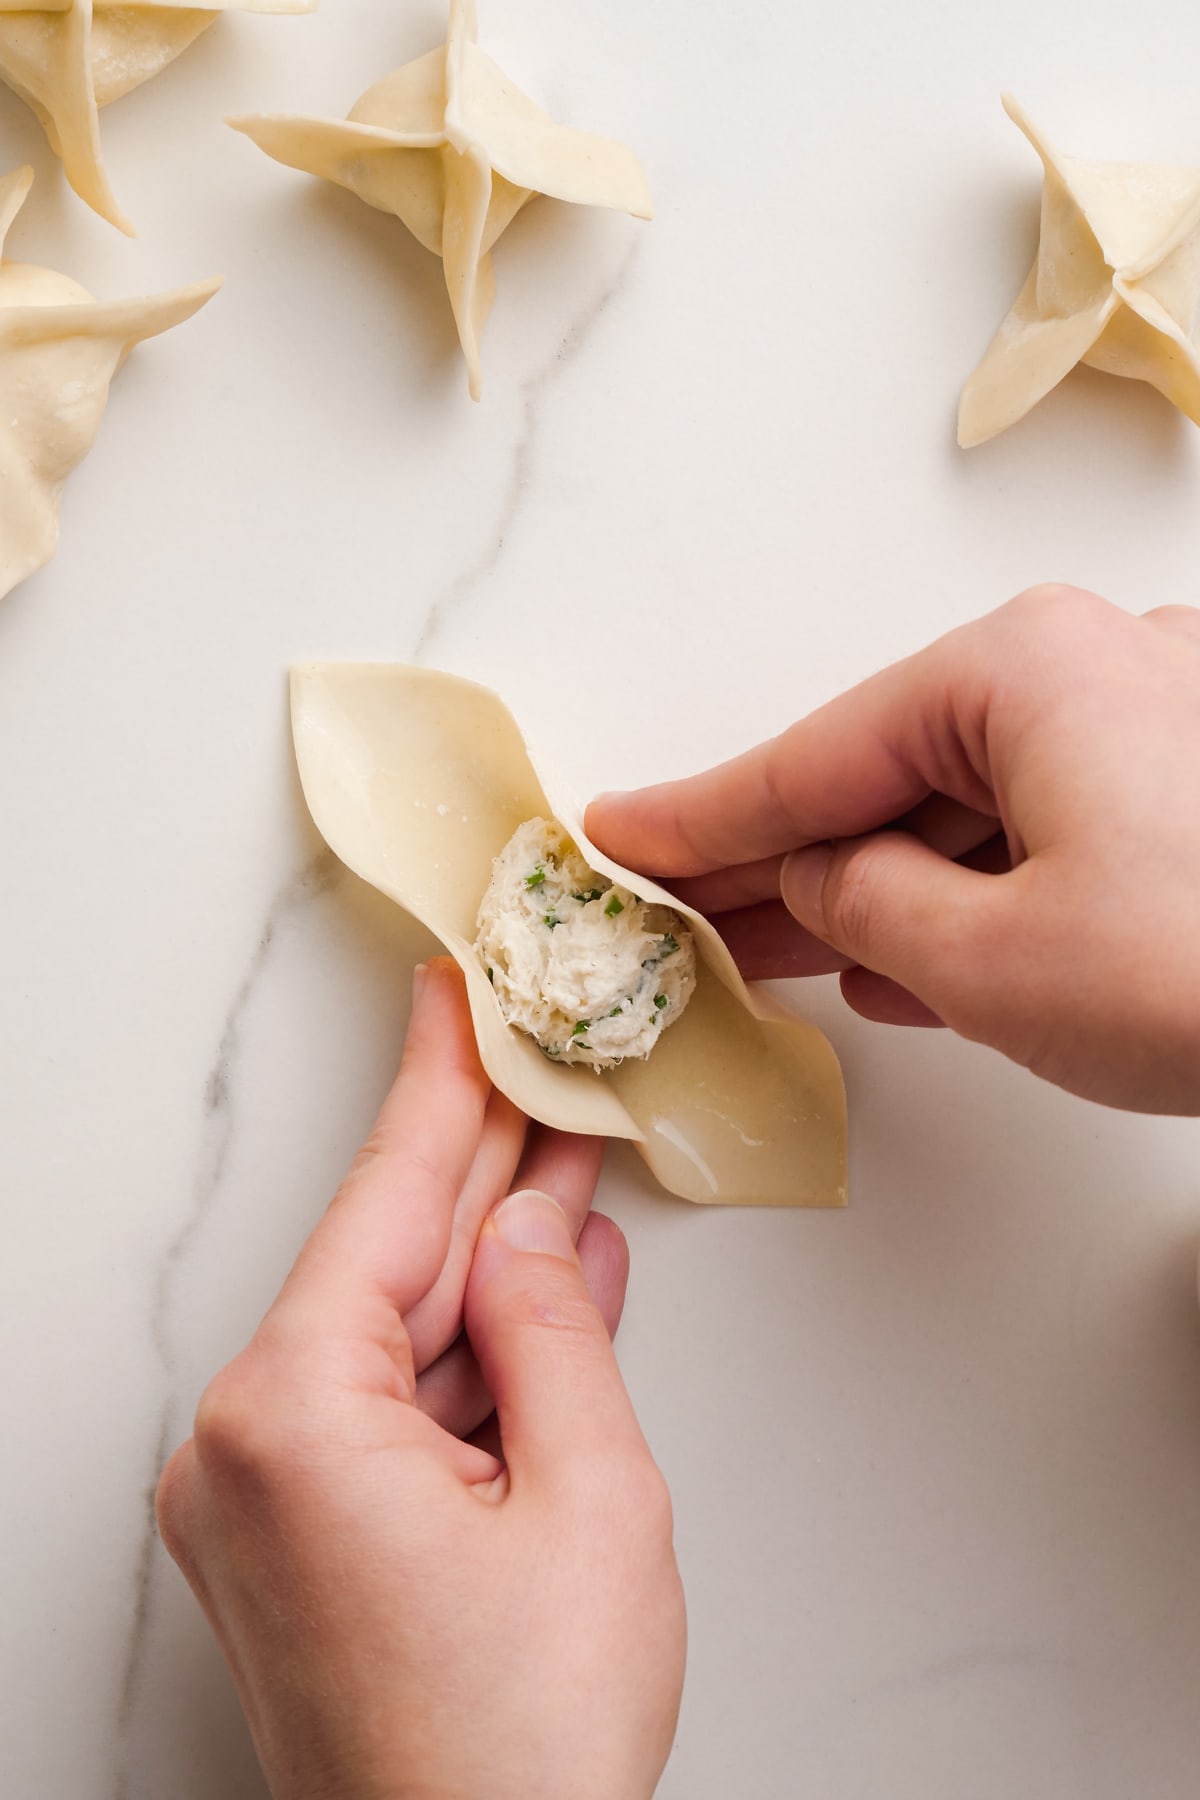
(320, 875)
(532, 394)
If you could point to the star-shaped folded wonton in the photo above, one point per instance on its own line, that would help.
(454, 150)
(59, 349)
(1116, 285)
(417, 780)
(68, 58)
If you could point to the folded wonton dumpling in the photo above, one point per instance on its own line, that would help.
(1116, 285)
(68, 58)
(59, 350)
(454, 150)
(418, 780)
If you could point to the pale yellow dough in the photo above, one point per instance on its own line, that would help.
(454, 150)
(1116, 285)
(59, 350)
(418, 780)
(68, 58)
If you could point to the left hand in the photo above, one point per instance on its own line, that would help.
(512, 1153)
(405, 1613)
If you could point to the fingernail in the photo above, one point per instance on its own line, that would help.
(529, 1220)
(418, 980)
(802, 885)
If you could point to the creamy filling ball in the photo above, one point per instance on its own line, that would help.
(589, 970)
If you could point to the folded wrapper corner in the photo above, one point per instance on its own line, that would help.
(454, 150)
(1116, 285)
(68, 58)
(59, 350)
(417, 779)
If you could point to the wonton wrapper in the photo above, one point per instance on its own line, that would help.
(454, 150)
(417, 780)
(1116, 285)
(59, 350)
(68, 58)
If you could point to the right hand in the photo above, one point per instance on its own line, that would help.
(1000, 834)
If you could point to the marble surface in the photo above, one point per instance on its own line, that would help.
(936, 1460)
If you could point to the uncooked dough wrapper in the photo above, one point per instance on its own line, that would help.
(59, 350)
(452, 148)
(417, 780)
(1116, 285)
(68, 58)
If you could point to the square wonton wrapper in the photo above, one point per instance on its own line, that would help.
(417, 779)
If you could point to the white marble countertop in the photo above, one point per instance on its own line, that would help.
(936, 1460)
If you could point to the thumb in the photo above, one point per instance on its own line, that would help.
(902, 909)
(543, 1347)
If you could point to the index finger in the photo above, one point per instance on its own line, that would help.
(387, 1230)
(849, 768)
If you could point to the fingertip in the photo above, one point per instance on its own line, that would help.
(439, 1025)
(631, 828)
(604, 1259)
(437, 977)
(802, 886)
(170, 1499)
(443, 969)
(1180, 621)
(562, 1163)
(769, 944)
(602, 818)
(885, 1002)
(603, 1239)
(532, 1222)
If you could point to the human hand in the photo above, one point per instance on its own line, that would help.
(1001, 834)
(405, 1613)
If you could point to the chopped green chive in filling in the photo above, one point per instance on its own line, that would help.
(582, 940)
(667, 947)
